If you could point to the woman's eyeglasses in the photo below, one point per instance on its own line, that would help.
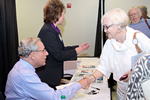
(131, 15)
(106, 27)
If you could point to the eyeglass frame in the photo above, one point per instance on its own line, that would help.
(133, 14)
(44, 50)
(107, 27)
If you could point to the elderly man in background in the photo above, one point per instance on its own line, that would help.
(24, 84)
(144, 12)
(137, 22)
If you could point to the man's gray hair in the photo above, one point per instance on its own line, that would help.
(143, 8)
(27, 46)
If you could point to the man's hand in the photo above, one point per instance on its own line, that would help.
(84, 82)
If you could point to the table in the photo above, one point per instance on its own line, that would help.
(96, 91)
(102, 94)
(70, 67)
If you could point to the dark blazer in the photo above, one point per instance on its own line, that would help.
(52, 72)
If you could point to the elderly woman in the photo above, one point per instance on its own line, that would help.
(137, 22)
(118, 49)
(50, 35)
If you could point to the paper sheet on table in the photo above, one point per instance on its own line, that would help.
(70, 71)
(103, 94)
(89, 61)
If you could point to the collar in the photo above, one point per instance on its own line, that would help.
(127, 43)
(27, 65)
(56, 28)
(138, 22)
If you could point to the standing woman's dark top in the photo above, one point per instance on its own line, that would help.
(50, 35)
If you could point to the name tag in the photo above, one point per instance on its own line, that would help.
(60, 37)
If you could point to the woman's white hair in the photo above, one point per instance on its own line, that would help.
(117, 16)
(27, 46)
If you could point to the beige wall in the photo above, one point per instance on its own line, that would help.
(79, 24)
(80, 21)
(29, 17)
(126, 4)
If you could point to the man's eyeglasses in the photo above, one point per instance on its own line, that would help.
(106, 27)
(131, 15)
(40, 50)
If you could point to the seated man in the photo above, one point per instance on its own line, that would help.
(24, 84)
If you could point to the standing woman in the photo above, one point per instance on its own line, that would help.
(50, 35)
(118, 49)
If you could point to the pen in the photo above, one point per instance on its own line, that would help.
(95, 88)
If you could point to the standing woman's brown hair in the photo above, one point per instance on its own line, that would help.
(53, 10)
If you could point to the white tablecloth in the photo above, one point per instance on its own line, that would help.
(102, 94)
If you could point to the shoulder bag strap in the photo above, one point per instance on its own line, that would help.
(136, 45)
(147, 23)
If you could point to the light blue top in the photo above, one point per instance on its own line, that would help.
(142, 26)
(24, 84)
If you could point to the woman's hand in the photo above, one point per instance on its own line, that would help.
(127, 73)
(84, 46)
(78, 50)
(84, 82)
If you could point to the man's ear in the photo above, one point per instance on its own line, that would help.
(32, 55)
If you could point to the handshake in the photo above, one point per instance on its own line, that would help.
(85, 82)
